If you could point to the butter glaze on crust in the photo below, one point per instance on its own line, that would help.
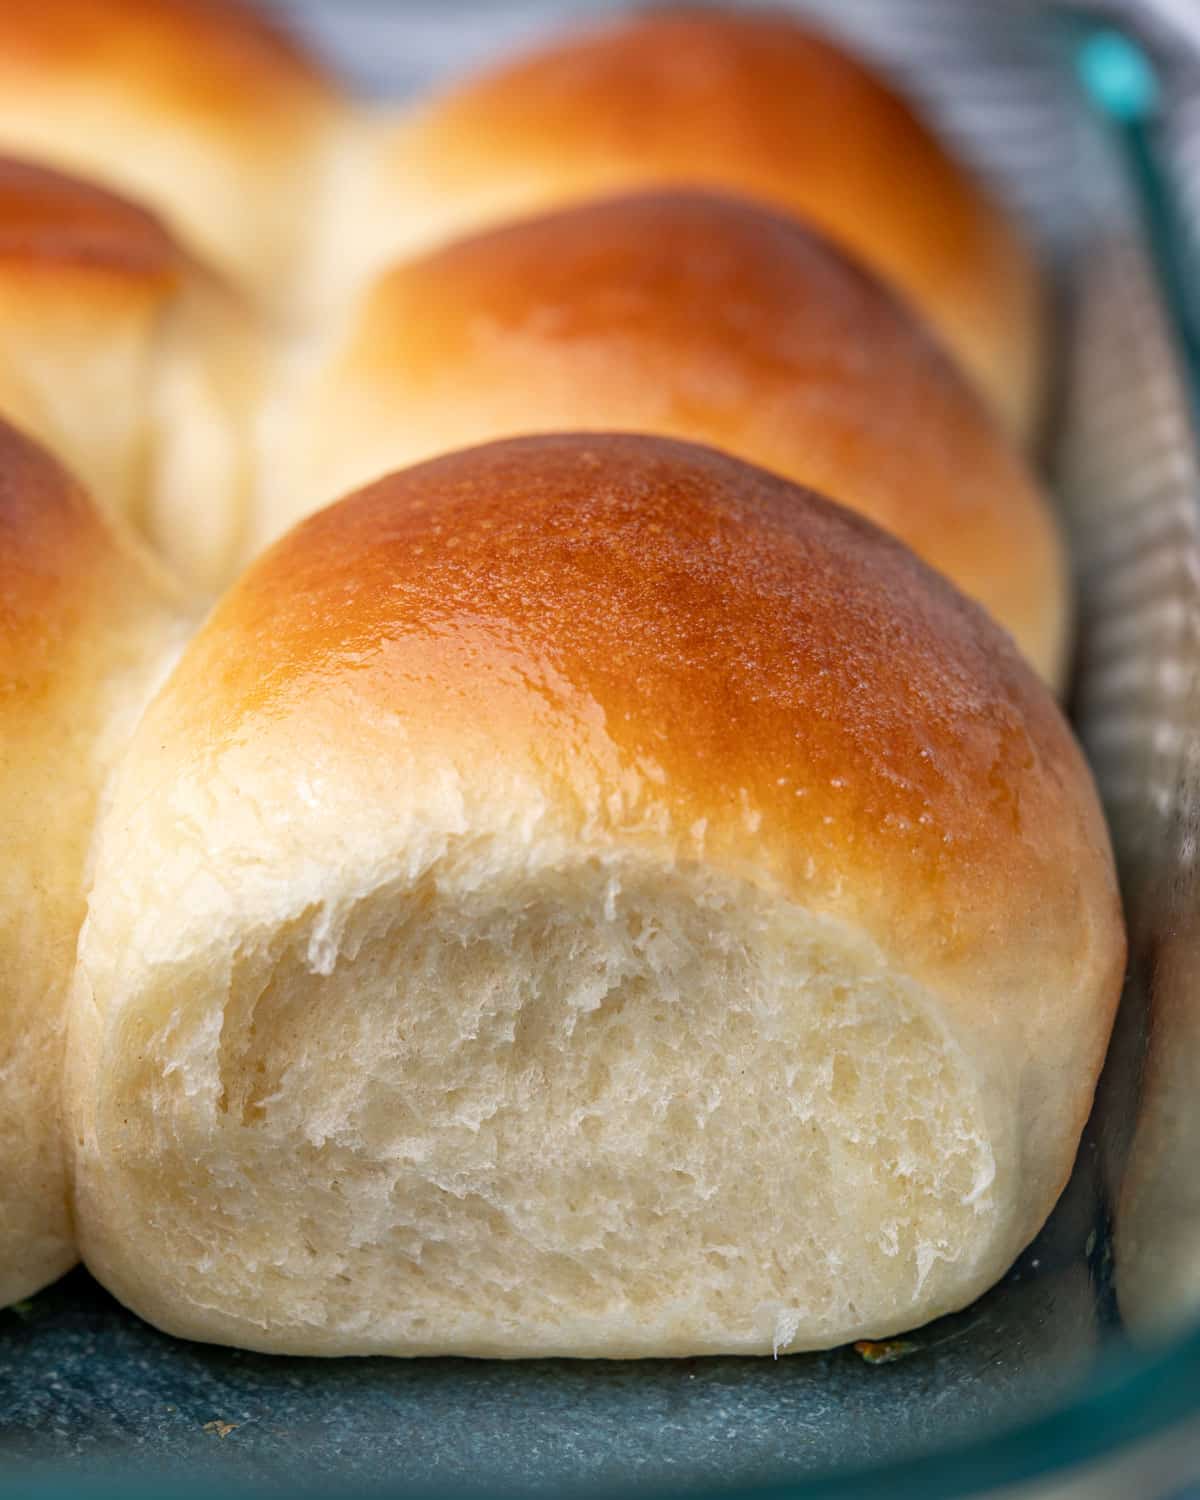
(83, 622)
(691, 316)
(546, 832)
(749, 102)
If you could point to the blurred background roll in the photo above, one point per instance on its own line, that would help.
(132, 361)
(746, 102)
(202, 110)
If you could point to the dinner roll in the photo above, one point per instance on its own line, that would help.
(130, 361)
(84, 623)
(585, 895)
(745, 101)
(693, 316)
(201, 109)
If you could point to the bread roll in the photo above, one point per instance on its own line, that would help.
(748, 102)
(200, 109)
(131, 362)
(585, 895)
(691, 316)
(84, 623)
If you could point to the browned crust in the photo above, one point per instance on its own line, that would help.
(754, 103)
(59, 559)
(217, 58)
(708, 318)
(48, 216)
(45, 517)
(758, 661)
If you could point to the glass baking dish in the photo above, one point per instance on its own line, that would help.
(1090, 124)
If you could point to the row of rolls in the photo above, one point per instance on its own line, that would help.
(618, 882)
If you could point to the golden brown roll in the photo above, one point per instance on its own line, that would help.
(201, 109)
(748, 102)
(585, 895)
(84, 625)
(692, 316)
(131, 362)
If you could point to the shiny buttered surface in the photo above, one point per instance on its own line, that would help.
(583, 894)
(692, 316)
(586, 895)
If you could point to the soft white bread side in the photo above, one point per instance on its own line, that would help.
(85, 624)
(691, 316)
(585, 895)
(132, 362)
(742, 101)
(201, 109)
